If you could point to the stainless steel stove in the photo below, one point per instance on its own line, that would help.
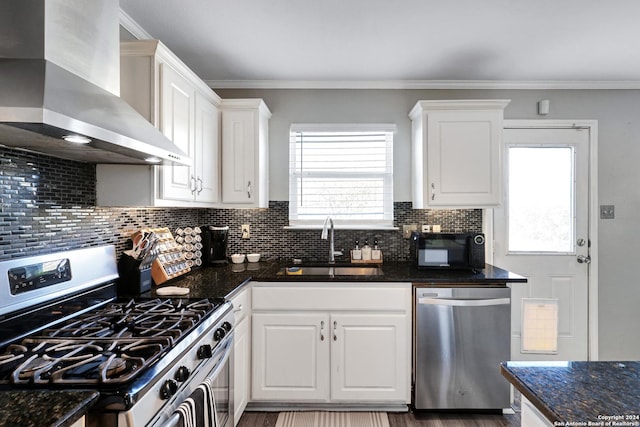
(155, 361)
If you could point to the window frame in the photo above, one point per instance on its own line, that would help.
(378, 224)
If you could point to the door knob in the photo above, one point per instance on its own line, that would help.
(584, 259)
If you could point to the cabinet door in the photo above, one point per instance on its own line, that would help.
(177, 110)
(239, 139)
(242, 368)
(369, 357)
(290, 356)
(207, 151)
(463, 155)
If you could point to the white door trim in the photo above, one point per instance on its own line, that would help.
(592, 126)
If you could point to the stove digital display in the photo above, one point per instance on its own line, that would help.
(36, 276)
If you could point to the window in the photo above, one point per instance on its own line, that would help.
(342, 171)
(541, 194)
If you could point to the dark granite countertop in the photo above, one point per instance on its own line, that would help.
(226, 281)
(573, 393)
(44, 408)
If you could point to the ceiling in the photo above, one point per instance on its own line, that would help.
(399, 43)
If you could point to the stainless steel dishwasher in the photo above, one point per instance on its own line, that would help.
(461, 336)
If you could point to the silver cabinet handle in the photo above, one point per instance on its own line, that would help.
(433, 191)
(199, 186)
(322, 330)
(464, 302)
(238, 309)
(249, 189)
(335, 327)
(192, 186)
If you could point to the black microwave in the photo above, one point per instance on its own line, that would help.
(448, 250)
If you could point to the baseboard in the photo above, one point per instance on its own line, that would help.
(337, 407)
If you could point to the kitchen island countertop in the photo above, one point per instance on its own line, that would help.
(44, 408)
(580, 393)
(226, 281)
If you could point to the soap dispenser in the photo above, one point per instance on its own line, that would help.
(356, 253)
(376, 253)
(366, 251)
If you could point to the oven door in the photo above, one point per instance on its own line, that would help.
(209, 403)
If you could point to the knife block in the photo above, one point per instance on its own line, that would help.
(132, 280)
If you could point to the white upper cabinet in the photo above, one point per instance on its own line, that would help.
(245, 153)
(456, 153)
(164, 90)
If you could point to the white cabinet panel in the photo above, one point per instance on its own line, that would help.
(368, 357)
(245, 163)
(206, 187)
(291, 356)
(177, 123)
(241, 353)
(456, 153)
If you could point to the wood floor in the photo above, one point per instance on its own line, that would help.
(268, 419)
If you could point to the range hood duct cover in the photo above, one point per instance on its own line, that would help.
(59, 75)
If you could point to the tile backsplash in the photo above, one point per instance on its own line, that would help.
(48, 205)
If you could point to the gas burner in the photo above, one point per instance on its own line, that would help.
(113, 366)
(33, 364)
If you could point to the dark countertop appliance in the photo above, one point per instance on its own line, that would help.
(448, 250)
(214, 245)
(63, 327)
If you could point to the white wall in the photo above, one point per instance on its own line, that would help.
(618, 163)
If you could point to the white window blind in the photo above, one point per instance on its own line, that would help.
(342, 171)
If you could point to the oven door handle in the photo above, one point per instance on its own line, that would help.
(226, 348)
(173, 421)
(464, 302)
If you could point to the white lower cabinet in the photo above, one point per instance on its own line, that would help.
(367, 354)
(241, 353)
(291, 353)
(338, 343)
(531, 417)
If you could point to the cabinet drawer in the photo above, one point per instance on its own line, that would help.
(241, 305)
(342, 296)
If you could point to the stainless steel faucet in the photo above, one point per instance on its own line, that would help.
(328, 222)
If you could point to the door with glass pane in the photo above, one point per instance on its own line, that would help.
(541, 232)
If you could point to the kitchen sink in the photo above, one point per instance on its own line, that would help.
(333, 270)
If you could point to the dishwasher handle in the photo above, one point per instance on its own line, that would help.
(464, 302)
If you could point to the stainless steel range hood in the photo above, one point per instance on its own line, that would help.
(60, 76)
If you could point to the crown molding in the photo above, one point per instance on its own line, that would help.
(129, 24)
(422, 84)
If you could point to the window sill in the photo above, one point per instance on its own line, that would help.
(343, 227)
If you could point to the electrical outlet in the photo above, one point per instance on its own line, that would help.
(606, 212)
(426, 228)
(436, 228)
(407, 229)
(246, 231)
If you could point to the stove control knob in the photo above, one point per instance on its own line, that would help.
(219, 334)
(226, 326)
(182, 374)
(168, 389)
(204, 352)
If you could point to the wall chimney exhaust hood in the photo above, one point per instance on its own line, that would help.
(60, 77)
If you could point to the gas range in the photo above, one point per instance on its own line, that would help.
(62, 326)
